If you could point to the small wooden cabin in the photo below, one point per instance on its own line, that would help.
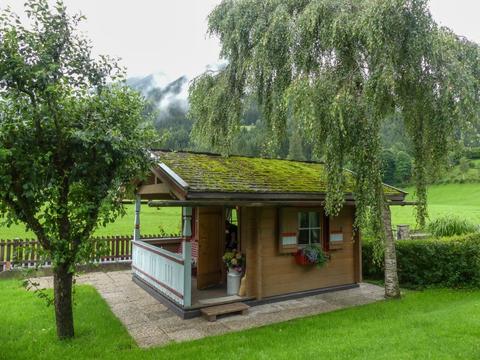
(275, 208)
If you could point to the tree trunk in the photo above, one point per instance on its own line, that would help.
(392, 288)
(62, 287)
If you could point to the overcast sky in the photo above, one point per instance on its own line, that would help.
(169, 36)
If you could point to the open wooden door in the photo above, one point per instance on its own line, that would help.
(211, 225)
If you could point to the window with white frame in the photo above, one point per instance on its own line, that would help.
(309, 227)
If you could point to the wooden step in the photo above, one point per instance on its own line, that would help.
(212, 312)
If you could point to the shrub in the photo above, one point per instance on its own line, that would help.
(451, 225)
(447, 262)
(472, 153)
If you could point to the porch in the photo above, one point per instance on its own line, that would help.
(165, 267)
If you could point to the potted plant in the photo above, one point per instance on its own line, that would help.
(234, 260)
(311, 255)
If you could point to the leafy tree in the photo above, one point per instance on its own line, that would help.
(70, 144)
(341, 67)
(388, 166)
(295, 150)
(464, 165)
(403, 171)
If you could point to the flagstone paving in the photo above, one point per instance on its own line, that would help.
(151, 323)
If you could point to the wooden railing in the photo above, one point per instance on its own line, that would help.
(167, 271)
(24, 253)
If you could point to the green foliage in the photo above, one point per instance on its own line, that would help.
(472, 153)
(388, 166)
(339, 69)
(464, 165)
(449, 262)
(222, 112)
(295, 150)
(462, 172)
(450, 225)
(70, 141)
(403, 168)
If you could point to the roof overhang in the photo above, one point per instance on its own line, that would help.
(253, 203)
(259, 196)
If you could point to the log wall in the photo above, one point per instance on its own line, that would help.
(271, 273)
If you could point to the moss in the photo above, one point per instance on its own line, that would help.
(214, 173)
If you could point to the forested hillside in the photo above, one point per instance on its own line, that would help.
(168, 106)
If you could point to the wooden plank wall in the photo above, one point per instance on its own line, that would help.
(248, 236)
(276, 274)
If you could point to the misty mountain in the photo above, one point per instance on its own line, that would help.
(163, 93)
(168, 104)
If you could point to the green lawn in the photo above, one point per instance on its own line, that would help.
(152, 220)
(458, 199)
(451, 199)
(434, 324)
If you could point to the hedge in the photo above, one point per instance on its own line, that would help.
(447, 262)
(472, 153)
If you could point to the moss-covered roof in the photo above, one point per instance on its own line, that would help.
(239, 174)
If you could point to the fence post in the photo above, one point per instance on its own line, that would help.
(117, 247)
(32, 253)
(2, 255)
(8, 258)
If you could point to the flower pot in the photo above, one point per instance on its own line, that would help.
(233, 282)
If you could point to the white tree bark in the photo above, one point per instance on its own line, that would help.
(392, 287)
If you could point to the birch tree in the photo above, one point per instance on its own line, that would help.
(339, 68)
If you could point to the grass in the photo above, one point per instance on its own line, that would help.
(152, 221)
(454, 174)
(462, 200)
(433, 324)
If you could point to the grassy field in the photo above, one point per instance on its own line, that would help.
(152, 221)
(434, 324)
(462, 200)
(458, 199)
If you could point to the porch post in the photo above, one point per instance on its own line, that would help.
(187, 273)
(136, 230)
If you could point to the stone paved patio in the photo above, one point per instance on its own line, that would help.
(151, 323)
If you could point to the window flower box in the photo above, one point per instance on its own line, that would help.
(301, 259)
(311, 255)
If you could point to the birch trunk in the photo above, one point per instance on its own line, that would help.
(392, 288)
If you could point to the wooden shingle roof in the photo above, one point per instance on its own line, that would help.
(213, 173)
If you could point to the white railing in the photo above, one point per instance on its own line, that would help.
(166, 271)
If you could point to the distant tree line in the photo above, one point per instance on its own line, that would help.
(174, 129)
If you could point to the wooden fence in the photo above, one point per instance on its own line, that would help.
(28, 252)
